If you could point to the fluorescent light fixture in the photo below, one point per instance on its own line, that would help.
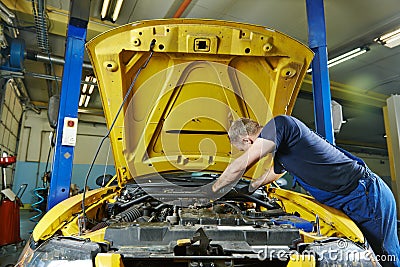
(91, 89)
(117, 9)
(84, 87)
(87, 101)
(85, 94)
(104, 8)
(391, 39)
(88, 79)
(346, 56)
(82, 100)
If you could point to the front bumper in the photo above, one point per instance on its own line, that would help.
(61, 251)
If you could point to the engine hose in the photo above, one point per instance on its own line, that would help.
(129, 215)
(35, 206)
(126, 216)
(135, 201)
(245, 218)
(268, 205)
(100, 225)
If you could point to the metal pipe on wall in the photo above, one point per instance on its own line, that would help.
(37, 56)
(182, 8)
(53, 78)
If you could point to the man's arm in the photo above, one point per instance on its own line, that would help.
(260, 148)
(268, 177)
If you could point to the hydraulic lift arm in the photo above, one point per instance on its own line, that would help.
(68, 110)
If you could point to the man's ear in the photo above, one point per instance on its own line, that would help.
(248, 140)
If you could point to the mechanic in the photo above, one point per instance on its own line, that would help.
(330, 174)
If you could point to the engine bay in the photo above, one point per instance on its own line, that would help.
(151, 219)
(136, 204)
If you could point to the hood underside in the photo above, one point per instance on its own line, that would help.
(182, 96)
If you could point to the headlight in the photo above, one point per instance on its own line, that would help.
(341, 252)
(60, 252)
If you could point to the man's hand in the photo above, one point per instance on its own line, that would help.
(258, 182)
(207, 191)
(246, 189)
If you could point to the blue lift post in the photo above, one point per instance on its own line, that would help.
(319, 65)
(61, 172)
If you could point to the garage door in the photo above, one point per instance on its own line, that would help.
(11, 114)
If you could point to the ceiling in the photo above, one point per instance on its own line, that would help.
(360, 85)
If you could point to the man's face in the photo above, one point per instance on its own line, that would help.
(243, 145)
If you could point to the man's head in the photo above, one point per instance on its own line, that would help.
(243, 132)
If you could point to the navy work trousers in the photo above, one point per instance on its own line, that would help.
(373, 208)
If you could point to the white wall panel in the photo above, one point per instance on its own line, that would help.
(34, 148)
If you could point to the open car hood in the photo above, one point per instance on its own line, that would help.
(202, 75)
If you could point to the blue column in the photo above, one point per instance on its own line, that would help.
(320, 74)
(70, 91)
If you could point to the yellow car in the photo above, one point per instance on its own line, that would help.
(170, 89)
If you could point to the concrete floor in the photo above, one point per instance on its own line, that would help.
(9, 254)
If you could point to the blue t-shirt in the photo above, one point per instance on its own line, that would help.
(303, 153)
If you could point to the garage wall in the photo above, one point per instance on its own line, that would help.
(34, 151)
(10, 117)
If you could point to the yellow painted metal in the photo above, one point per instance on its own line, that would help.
(95, 212)
(203, 74)
(391, 157)
(332, 221)
(183, 242)
(301, 261)
(96, 236)
(108, 259)
(309, 237)
(64, 215)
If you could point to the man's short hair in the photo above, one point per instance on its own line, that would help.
(242, 127)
